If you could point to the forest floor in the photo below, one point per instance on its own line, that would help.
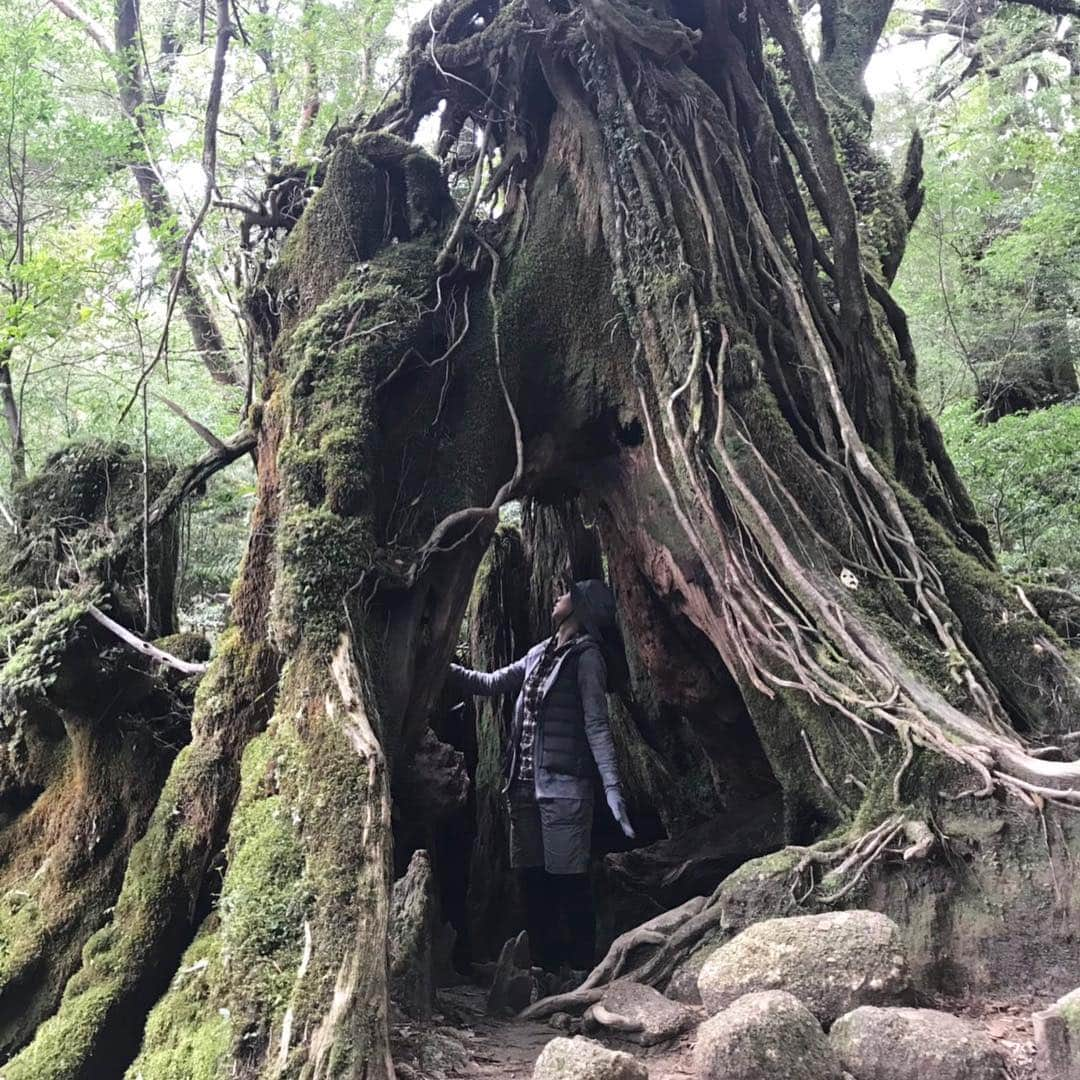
(464, 1042)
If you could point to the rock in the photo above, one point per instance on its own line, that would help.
(639, 1013)
(513, 985)
(683, 984)
(442, 1052)
(1057, 1039)
(913, 1044)
(583, 1059)
(431, 1053)
(832, 963)
(413, 919)
(765, 1036)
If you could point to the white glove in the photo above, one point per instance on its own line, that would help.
(617, 805)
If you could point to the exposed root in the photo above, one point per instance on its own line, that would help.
(656, 946)
(597, 1015)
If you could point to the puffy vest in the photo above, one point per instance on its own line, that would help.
(561, 743)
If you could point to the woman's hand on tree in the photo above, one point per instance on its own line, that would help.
(617, 805)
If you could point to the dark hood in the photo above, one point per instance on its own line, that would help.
(594, 607)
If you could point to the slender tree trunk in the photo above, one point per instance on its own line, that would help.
(312, 102)
(12, 419)
(161, 216)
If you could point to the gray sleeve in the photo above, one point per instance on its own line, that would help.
(506, 680)
(592, 685)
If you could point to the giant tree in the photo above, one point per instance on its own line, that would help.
(675, 312)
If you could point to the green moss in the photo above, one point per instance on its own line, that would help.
(86, 495)
(22, 931)
(235, 979)
(1069, 1009)
(778, 862)
(58, 1049)
(188, 1035)
(263, 900)
(322, 557)
(346, 221)
(188, 646)
(1024, 654)
(37, 643)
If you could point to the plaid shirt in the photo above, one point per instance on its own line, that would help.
(531, 712)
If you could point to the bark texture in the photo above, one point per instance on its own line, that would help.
(678, 317)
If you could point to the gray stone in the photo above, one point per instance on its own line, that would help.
(413, 909)
(913, 1044)
(443, 1053)
(765, 1036)
(1057, 1039)
(561, 1021)
(639, 1014)
(583, 1059)
(832, 963)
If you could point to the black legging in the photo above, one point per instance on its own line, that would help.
(559, 918)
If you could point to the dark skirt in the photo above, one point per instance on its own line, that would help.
(552, 833)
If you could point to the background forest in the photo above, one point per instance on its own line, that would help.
(120, 317)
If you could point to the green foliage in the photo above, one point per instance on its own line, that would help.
(988, 279)
(1024, 474)
(83, 281)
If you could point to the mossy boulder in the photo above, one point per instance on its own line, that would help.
(910, 1044)
(765, 1036)
(1057, 1039)
(832, 963)
(583, 1059)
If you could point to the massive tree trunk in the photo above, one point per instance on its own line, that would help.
(671, 318)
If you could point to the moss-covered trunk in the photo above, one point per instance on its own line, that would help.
(324, 679)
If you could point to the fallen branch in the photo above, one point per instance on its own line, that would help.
(137, 643)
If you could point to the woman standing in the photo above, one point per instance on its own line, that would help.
(559, 737)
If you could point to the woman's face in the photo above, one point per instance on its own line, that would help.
(562, 610)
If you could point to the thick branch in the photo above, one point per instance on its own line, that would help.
(195, 475)
(93, 28)
(850, 31)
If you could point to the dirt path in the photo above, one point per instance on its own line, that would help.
(463, 1042)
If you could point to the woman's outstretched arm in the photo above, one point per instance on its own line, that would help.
(506, 680)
